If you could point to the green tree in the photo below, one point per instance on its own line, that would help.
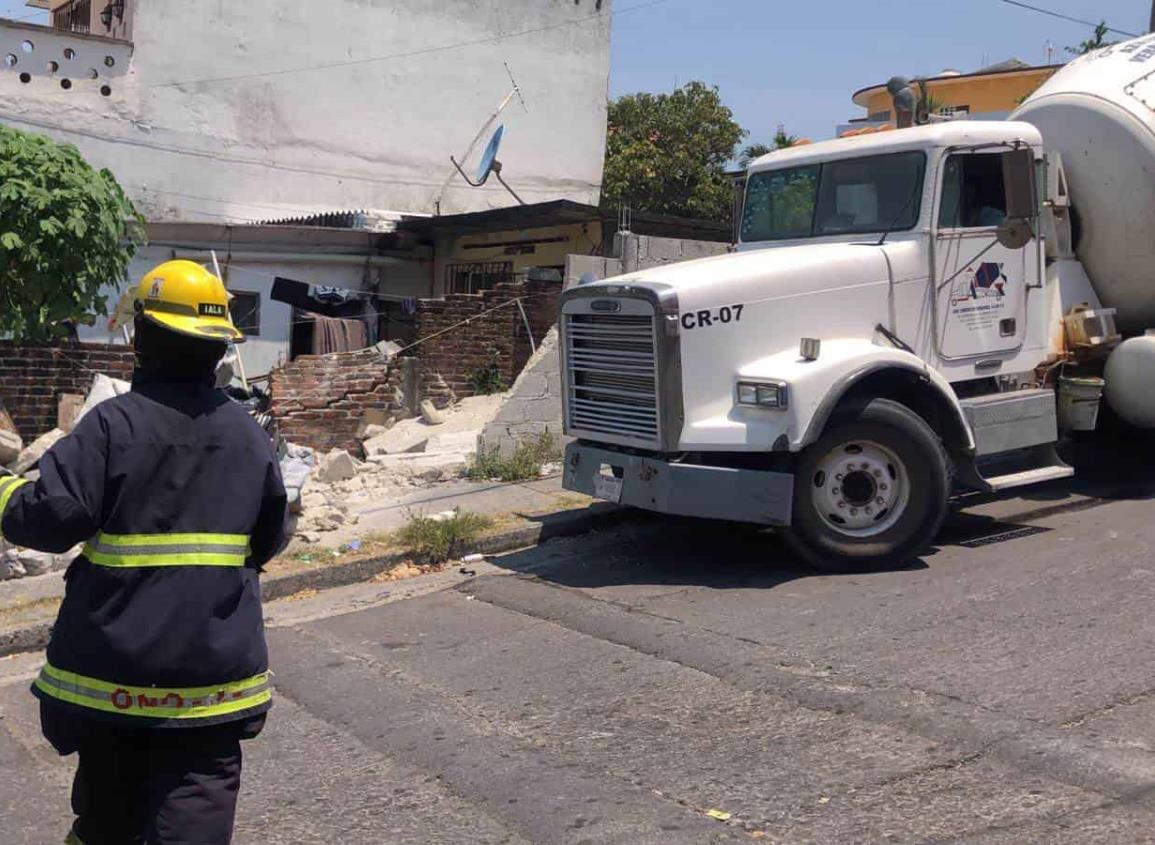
(66, 230)
(1097, 40)
(753, 151)
(667, 153)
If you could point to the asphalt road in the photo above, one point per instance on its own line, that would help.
(618, 688)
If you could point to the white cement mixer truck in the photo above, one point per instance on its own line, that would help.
(907, 314)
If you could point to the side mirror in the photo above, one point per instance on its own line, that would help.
(1019, 182)
(1016, 230)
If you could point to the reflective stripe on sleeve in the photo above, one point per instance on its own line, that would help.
(8, 486)
(146, 550)
(155, 702)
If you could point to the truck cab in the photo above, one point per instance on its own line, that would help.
(880, 334)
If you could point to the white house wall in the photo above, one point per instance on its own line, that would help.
(227, 111)
(271, 348)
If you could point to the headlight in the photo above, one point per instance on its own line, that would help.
(763, 394)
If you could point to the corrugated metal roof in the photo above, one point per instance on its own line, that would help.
(362, 219)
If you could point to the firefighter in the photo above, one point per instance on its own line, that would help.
(157, 668)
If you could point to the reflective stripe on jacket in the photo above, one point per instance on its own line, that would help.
(176, 494)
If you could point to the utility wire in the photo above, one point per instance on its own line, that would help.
(252, 162)
(493, 39)
(1061, 16)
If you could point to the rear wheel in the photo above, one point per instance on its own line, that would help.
(872, 492)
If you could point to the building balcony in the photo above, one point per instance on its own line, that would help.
(44, 58)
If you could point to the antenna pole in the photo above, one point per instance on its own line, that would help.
(517, 88)
(468, 181)
(504, 184)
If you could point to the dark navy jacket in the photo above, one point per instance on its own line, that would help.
(177, 493)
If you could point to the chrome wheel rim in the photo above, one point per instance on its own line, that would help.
(860, 488)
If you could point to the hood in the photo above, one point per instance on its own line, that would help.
(775, 272)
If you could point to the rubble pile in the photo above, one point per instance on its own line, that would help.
(326, 491)
(400, 457)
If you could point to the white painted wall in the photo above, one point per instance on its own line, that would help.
(215, 120)
(271, 348)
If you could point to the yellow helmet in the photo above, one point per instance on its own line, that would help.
(186, 298)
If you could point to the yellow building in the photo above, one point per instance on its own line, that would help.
(988, 94)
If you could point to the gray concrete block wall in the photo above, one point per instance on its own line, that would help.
(533, 406)
(641, 252)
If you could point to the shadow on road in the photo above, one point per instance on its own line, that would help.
(655, 551)
(660, 551)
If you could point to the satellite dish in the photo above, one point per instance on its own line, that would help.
(489, 157)
(489, 165)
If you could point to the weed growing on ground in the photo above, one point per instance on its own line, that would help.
(434, 540)
(523, 465)
(486, 381)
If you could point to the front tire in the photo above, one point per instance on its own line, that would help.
(873, 492)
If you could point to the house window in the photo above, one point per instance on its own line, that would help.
(954, 111)
(474, 278)
(245, 308)
(973, 194)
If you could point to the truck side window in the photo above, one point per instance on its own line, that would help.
(973, 196)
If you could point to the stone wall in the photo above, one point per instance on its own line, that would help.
(32, 379)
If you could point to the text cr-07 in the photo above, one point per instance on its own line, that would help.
(707, 319)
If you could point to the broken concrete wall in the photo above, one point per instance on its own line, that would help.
(32, 379)
(641, 252)
(533, 406)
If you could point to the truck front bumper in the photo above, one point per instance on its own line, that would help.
(653, 484)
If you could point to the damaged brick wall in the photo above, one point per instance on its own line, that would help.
(492, 335)
(32, 379)
(320, 400)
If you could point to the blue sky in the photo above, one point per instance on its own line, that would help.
(797, 63)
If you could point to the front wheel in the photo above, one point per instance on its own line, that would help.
(872, 492)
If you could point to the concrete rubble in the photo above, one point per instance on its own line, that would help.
(11, 445)
(411, 454)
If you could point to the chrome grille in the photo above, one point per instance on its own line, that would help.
(612, 376)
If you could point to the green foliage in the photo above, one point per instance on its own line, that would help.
(667, 153)
(1097, 40)
(487, 381)
(523, 465)
(434, 541)
(66, 230)
(752, 151)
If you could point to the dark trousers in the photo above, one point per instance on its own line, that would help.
(138, 786)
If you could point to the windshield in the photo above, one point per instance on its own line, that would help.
(873, 194)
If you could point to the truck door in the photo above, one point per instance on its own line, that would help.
(981, 286)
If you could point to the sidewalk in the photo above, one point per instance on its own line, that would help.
(496, 499)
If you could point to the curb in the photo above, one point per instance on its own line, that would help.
(35, 636)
